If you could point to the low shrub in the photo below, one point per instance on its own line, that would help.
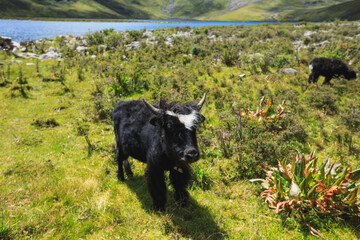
(256, 139)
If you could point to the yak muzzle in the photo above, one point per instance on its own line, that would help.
(191, 155)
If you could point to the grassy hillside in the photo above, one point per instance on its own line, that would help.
(348, 10)
(229, 10)
(57, 170)
(72, 9)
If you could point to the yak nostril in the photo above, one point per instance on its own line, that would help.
(192, 154)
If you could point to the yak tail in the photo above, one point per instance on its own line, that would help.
(116, 130)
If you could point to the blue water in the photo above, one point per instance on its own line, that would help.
(21, 30)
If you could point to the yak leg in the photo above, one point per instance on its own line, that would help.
(120, 156)
(127, 167)
(313, 78)
(155, 180)
(327, 79)
(180, 178)
(120, 159)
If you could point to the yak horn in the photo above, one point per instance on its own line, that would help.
(151, 107)
(201, 103)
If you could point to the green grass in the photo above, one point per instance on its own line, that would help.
(53, 187)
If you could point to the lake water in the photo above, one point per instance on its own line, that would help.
(21, 30)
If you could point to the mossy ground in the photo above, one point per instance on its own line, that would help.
(56, 185)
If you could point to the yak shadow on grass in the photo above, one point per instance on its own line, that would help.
(193, 221)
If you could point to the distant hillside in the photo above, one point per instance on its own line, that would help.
(344, 11)
(222, 10)
(71, 9)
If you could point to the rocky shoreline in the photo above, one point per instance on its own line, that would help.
(27, 49)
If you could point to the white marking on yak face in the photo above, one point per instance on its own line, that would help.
(311, 67)
(189, 120)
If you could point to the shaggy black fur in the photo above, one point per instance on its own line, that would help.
(161, 141)
(329, 68)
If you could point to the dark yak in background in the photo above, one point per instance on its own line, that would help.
(164, 138)
(329, 68)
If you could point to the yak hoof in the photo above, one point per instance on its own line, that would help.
(181, 199)
(159, 208)
(121, 177)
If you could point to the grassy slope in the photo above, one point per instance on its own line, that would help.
(254, 12)
(76, 9)
(276, 10)
(51, 189)
(196, 9)
(344, 11)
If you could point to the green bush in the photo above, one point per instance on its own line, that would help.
(256, 139)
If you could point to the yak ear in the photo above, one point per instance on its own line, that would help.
(156, 121)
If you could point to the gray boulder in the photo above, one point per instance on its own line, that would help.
(287, 71)
(134, 45)
(50, 55)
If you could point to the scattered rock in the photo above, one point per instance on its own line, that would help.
(81, 49)
(18, 55)
(169, 41)
(287, 71)
(50, 55)
(150, 41)
(212, 38)
(242, 75)
(148, 34)
(134, 45)
(321, 43)
(51, 49)
(31, 55)
(309, 33)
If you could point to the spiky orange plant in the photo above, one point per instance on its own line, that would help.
(268, 113)
(300, 186)
(329, 189)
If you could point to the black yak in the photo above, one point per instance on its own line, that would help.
(329, 68)
(163, 137)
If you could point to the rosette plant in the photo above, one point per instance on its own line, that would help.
(265, 113)
(301, 185)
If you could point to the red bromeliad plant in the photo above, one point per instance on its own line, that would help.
(300, 186)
